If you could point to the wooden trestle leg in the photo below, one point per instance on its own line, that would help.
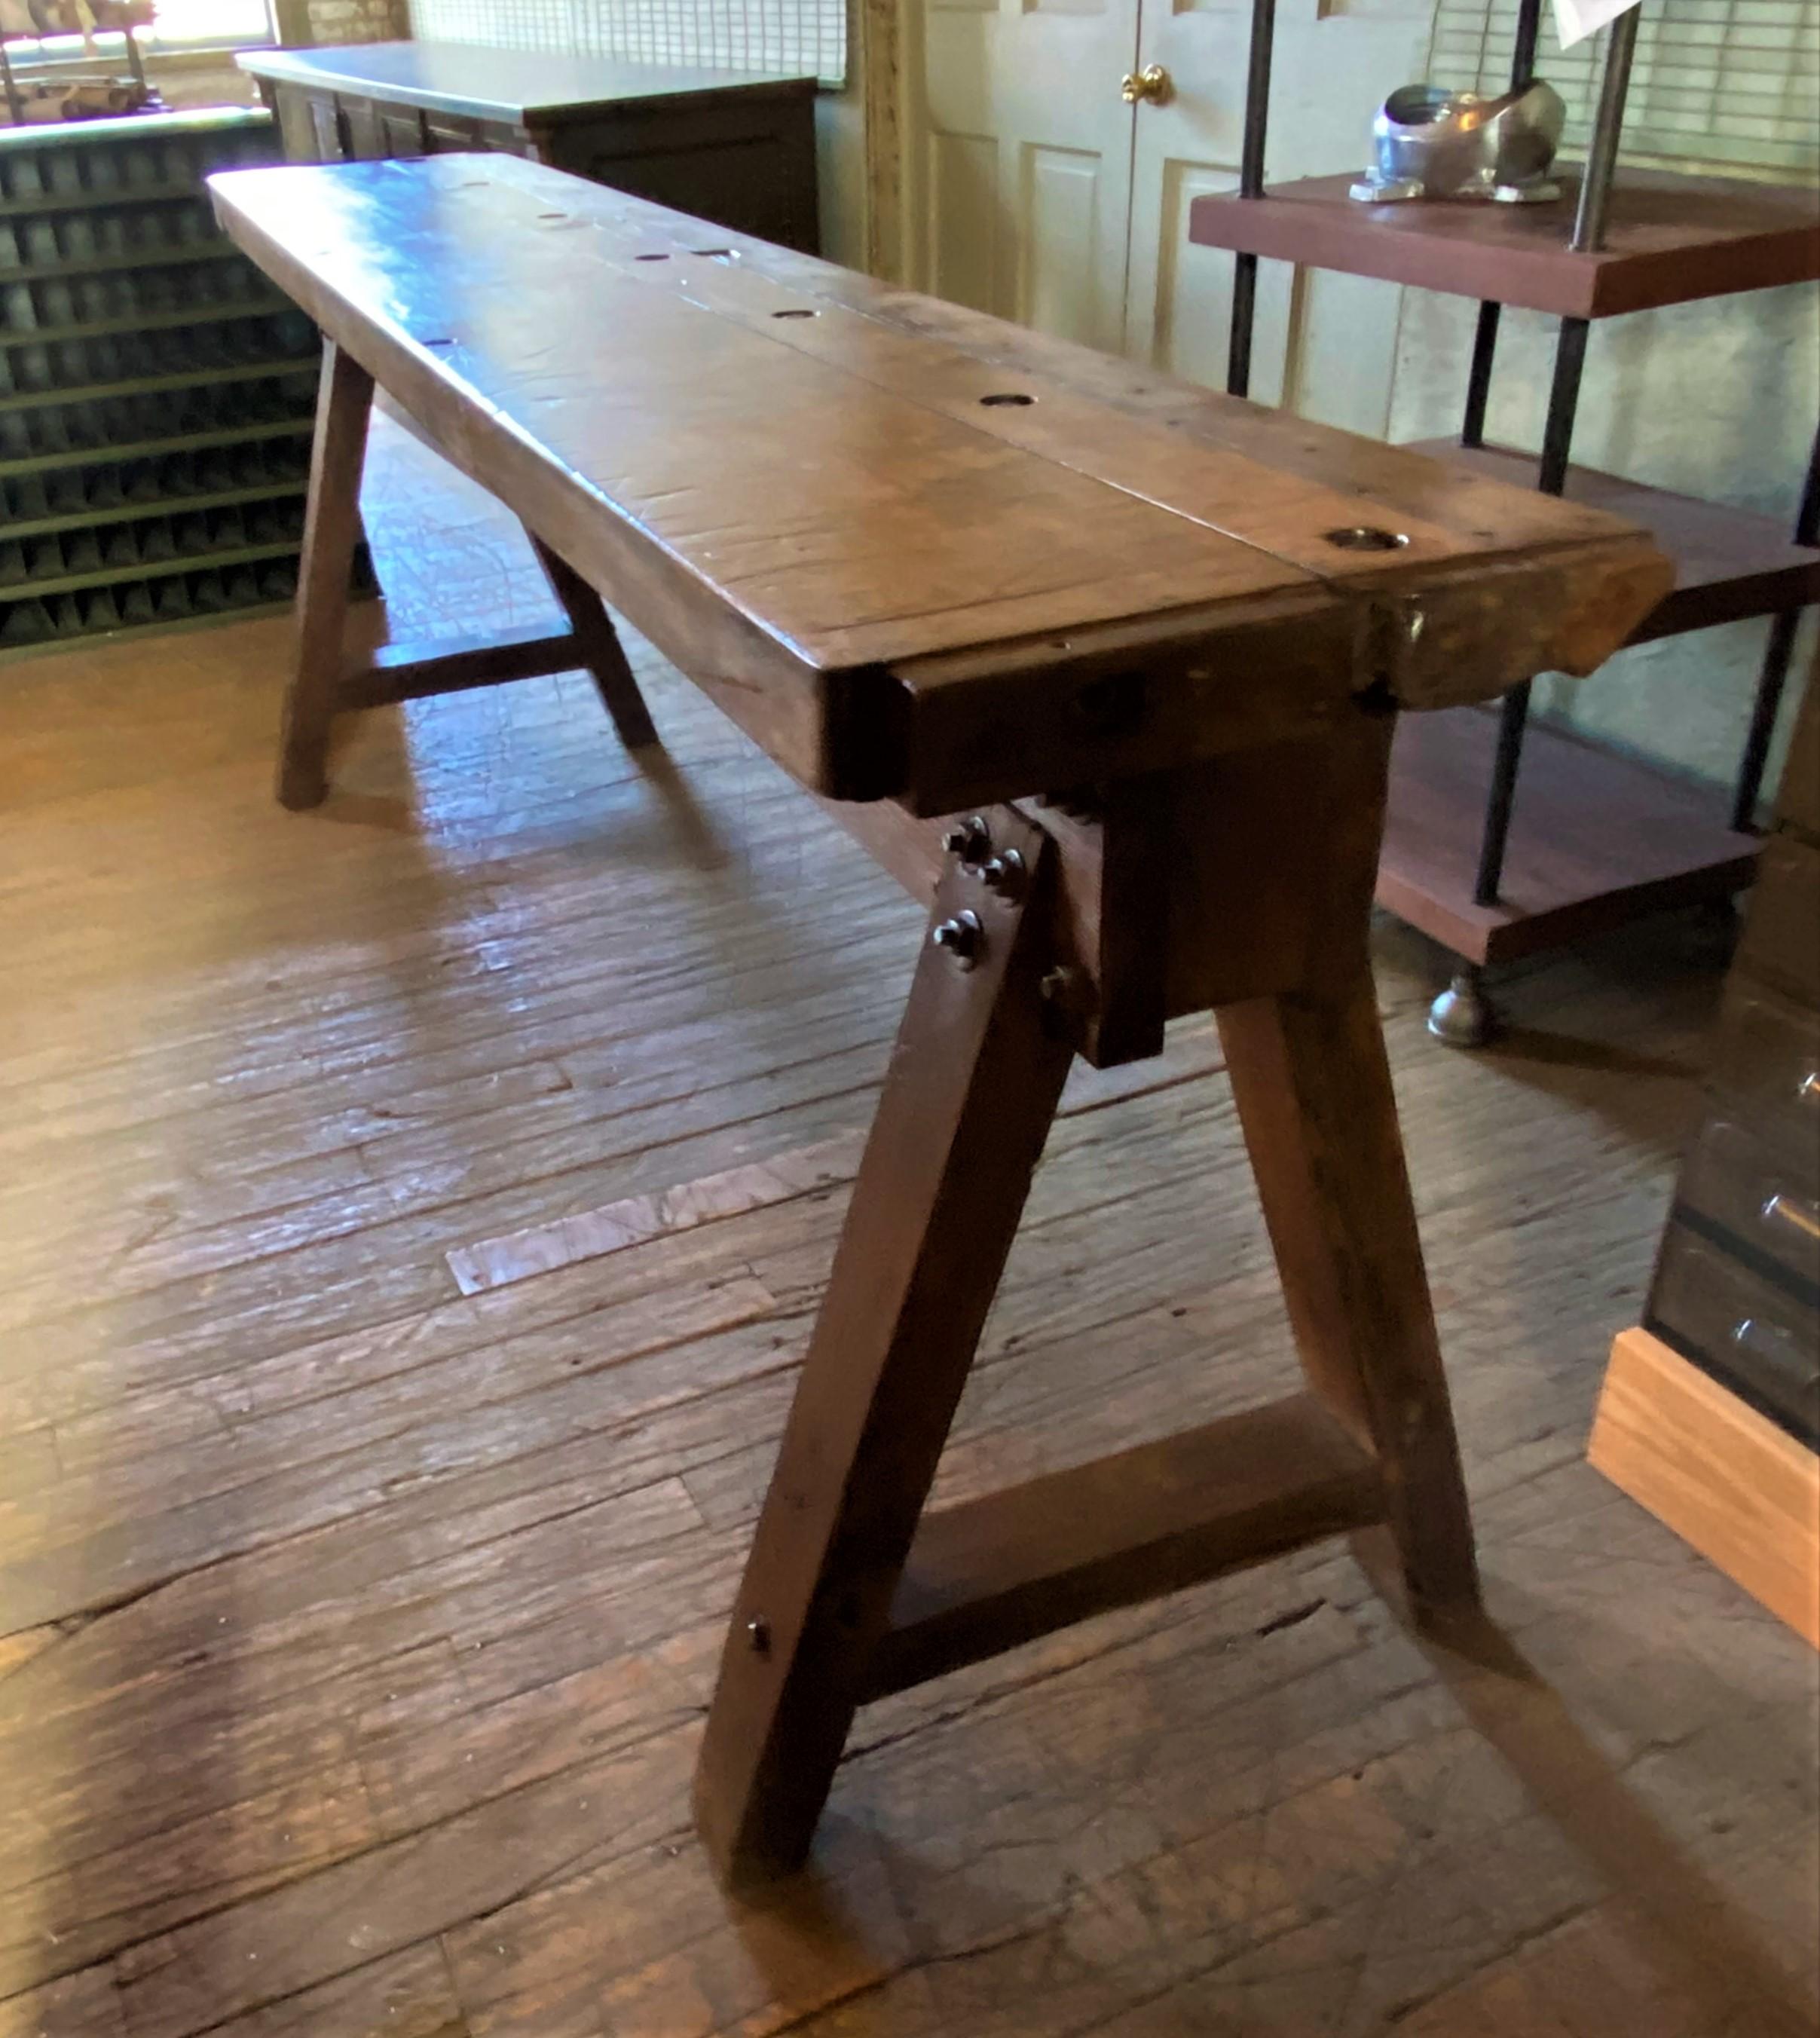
(331, 530)
(322, 683)
(972, 1087)
(852, 1591)
(598, 643)
(1313, 1089)
(1312, 1086)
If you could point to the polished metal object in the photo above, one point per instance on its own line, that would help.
(961, 936)
(1430, 143)
(1152, 84)
(1462, 1016)
(1002, 872)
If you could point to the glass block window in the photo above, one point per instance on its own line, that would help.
(779, 38)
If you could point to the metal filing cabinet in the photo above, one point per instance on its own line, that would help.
(1737, 1287)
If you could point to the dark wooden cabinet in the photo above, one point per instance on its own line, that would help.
(736, 150)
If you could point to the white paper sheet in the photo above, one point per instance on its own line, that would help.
(1576, 20)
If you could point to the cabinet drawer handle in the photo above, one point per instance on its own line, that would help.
(1801, 1217)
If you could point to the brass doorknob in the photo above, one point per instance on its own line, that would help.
(1153, 83)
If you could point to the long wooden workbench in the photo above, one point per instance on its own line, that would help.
(1107, 665)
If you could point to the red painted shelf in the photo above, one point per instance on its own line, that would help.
(1597, 839)
(1669, 240)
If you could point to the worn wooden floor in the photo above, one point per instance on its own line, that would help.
(365, 1525)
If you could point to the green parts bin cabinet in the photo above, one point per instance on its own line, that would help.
(157, 393)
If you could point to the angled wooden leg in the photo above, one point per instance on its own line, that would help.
(598, 642)
(331, 530)
(972, 1087)
(1313, 1089)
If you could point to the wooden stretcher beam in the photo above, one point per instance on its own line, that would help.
(419, 671)
(985, 1576)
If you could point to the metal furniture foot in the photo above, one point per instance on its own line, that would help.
(1462, 1016)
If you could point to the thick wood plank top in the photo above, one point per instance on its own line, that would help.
(482, 84)
(872, 525)
(1729, 563)
(1668, 240)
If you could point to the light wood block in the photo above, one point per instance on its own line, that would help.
(1722, 1477)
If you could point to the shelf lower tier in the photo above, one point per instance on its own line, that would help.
(131, 324)
(1596, 839)
(1729, 563)
(199, 588)
(114, 456)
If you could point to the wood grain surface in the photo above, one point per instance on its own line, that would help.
(1744, 1492)
(355, 1632)
(827, 509)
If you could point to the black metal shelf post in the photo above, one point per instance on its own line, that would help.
(1774, 673)
(1461, 1015)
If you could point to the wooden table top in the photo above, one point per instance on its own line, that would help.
(542, 87)
(870, 522)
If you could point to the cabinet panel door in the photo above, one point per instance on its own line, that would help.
(328, 139)
(1036, 193)
(1021, 164)
(402, 127)
(366, 135)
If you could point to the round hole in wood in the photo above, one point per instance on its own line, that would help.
(1366, 538)
(1006, 399)
(795, 314)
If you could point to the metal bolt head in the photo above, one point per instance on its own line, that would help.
(962, 936)
(1002, 872)
(759, 1636)
(970, 840)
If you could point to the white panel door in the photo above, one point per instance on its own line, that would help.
(1019, 166)
(1324, 345)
